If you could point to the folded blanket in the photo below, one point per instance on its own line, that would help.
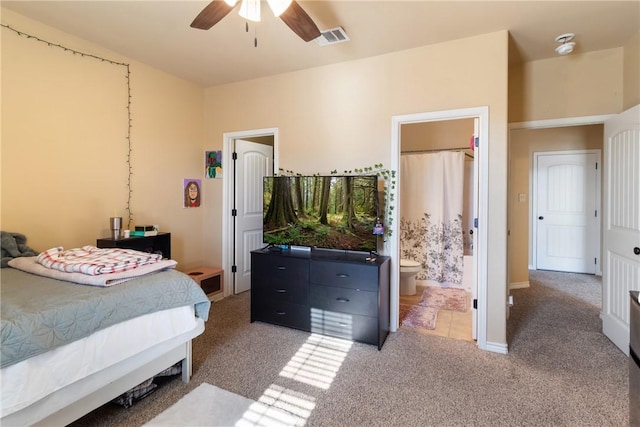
(14, 245)
(30, 265)
(93, 261)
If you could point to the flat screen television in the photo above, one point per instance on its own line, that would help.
(328, 212)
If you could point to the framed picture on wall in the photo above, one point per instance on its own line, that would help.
(213, 164)
(192, 192)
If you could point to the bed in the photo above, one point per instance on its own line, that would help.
(68, 348)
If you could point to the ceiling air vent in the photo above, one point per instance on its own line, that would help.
(332, 36)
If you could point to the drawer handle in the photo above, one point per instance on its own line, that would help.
(341, 299)
(281, 291)
(281, 267)
(342, 275)
(344, 325)
(281, 312)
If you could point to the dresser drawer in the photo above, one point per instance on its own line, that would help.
(344, 300)
(284, 291)
(355, 276)
(345, 326)
(269, 271)
(281, 313)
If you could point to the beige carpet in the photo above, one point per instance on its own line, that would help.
(424, 315)
(208, 405)
(561, 371)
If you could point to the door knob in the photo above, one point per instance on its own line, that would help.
(540, 217)
(636, 250)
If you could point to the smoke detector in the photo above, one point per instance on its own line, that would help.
(332, 36)
(566, 46)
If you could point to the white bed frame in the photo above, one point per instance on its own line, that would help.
(81, 397)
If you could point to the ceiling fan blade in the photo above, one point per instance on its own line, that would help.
(301, 24)
(210, 15)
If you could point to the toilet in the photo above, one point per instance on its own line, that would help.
(408, 271)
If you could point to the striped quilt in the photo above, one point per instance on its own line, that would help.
(94, 261)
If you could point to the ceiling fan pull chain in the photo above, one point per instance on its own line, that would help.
(255, 36)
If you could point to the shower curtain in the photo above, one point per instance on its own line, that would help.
(431, 215)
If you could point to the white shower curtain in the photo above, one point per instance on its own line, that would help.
(431, 215)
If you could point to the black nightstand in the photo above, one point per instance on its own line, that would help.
(152, 244)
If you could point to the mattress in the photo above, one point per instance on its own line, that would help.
(28, 381)
(40, 313)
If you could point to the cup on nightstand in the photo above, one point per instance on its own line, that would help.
(115, 223)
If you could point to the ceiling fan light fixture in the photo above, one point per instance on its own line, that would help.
(279, 6)
(291, 13)
(250, 10)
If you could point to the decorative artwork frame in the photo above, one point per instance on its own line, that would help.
(192, 192)
(213, 164)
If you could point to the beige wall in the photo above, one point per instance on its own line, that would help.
(339, 117)
(522, 144)
(436, 135)
(569, 86)
(64, 143)
(631, 72)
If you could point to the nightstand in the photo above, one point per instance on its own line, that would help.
(151, 244)
(210, 279)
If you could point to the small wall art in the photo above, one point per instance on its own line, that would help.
(213, 164)
(191, 190)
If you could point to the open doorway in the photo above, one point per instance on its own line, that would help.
(480, 115)
(248, 156)
(569, 147)
(525, 206)
(437, 182)
(619, 249)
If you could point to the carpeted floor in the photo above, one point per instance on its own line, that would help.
(560, 371)
(208, 405)
(586, 287)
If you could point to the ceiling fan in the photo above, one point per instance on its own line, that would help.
(288, 10)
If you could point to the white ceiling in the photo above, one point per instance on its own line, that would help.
(158, 32)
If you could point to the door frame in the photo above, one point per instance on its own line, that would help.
(229, 193)
(533, 185)
(480, 260)
(545, 124)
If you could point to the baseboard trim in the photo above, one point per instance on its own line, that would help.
(518, 285)
(497, 348)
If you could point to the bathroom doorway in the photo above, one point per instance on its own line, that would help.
(400, 129)
(437, 181)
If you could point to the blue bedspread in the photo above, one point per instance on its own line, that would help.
(38, 313)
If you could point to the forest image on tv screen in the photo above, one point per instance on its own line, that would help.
(335, 212)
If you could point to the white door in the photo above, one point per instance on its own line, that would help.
(567, 213)
(621, 266)
(254, 161)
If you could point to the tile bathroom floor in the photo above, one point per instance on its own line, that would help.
(451, 324)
